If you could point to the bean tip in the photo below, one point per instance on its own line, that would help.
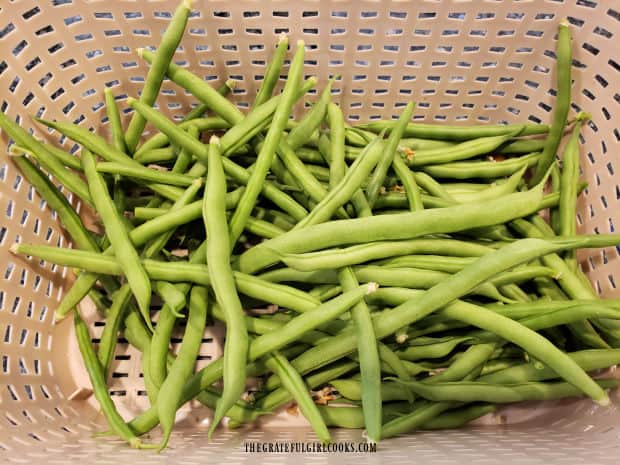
(14, 249)
(188, 4)
(214, 140)
(16, 151)
(231, 83)
(564, 23)
(371, 287)
(58, 317)
(301, 43)
(603, 401)
(583, 116)
(140, 51)
(283, 38)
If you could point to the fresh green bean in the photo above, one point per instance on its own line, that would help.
(161, 140)
(562, 103)
(70, 161)
(272, 73)
(457, 133)
(171, 390)
(113, 320)
(267, 152)
(100, 388)
(337, 166)
(502, 393)
(354, 255)
(353, 390)
(407, 178)
(299, 135)
(482, 169)
(124, 250)
(464, 150)
(196, 86)
(292, 382)
(458, 417)
(437, 350)
(368, 357)
(159, 65)
(47, 160)
(568, 191)
(117, 135)
(390, 152)
(146, 174)
(99, 146)
(390, 227)
(223, 284)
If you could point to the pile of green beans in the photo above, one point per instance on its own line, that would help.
(283, 229)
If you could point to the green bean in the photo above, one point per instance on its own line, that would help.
(161, 140)
(502, 393)
(172, 297)
(588, 360)
(474, 357)
(522, 146)
(98, 145)
(482, 169)
(257, 120)
(159, 64)
(458, 417)
(171, 390)
(124, 250)
(493, 191)
(462, 151)
(113, 320)
(390, 227)
(390, 152)
(418, 417)
(457, 133)
(100, 389)
(432, 187)
(353, 390)
(413, 143)
(68, 217)
(199, 110)
(306, 181)
(437, 350)
(196, 86)
(299, 135)
(368, 357)
(47, 160)
(407, 178)
(354, 255)
(272, 73)
(114, 120)
(292, 382)
(70, 161)
(337, 166)
(223, 284)
(146, 174)
(562, 103)
(343, 191)
(268, 150)
(560, 317)
(157, 156)
(200, 151)
(568, 190)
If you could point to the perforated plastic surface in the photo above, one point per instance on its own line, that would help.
(461, 61)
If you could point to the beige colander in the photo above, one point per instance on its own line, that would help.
(462, 61)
